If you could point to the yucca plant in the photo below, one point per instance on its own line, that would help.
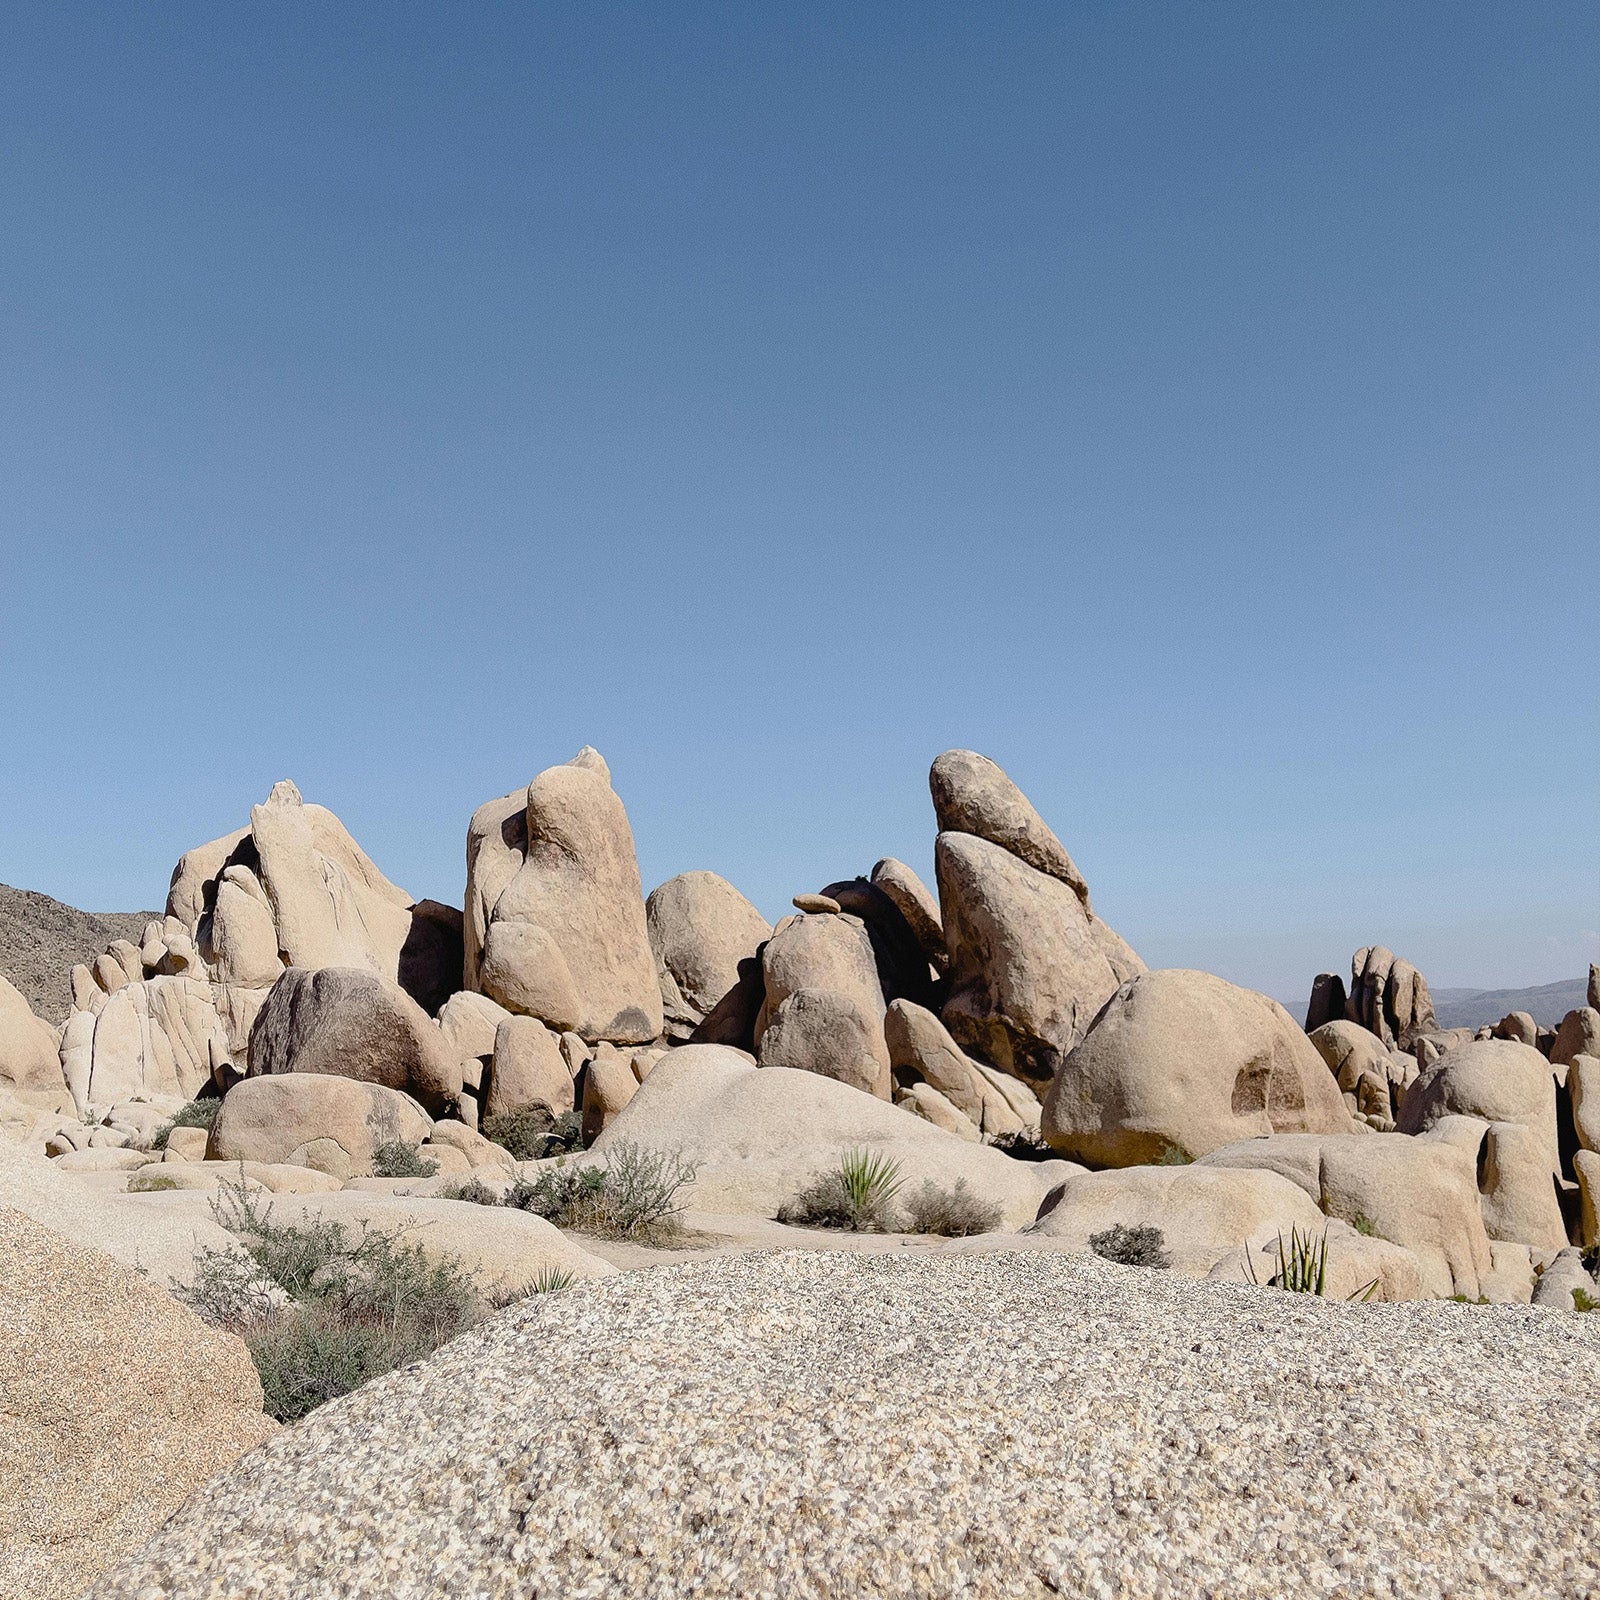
(1303, 1267)
(551, 1280)
(857, 1194)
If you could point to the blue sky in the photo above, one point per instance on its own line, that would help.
(1193, 407)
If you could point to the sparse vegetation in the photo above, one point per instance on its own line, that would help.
(1582, 1300)
(197, 1114)
(857, 1195)
(1303, 1267)
(1172, 1156)
(531, 1134)
(957, 1213)
(475, 1191)
(551, 1280)
(635, 1194)
(147, 1182)
(323, 1310)
(1138, 1246)
(396, 1158)
(1364, 1225)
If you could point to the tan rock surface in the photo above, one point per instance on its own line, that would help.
(118, 1402)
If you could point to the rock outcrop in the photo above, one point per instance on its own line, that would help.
(1181, 1063)
(555, 921)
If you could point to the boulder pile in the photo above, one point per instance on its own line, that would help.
(984, 1071)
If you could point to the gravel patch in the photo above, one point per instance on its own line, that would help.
(933, 1425)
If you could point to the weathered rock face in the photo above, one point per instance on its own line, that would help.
(760, 1134)
(528, 1069)
(971, 794)
(828, 1032)
(1181, 1063)
(1372, 1079)
(1029, 967)
(345, 1023)
(1578, 1035)
(564, 936)
(30, 1062)
(118, 1402)
(334, 1124)
(700, 929)
(1387, 996)
(1496, 1080)
(159, 1036)
(922, 1053)
(291, 889)
(1418, 1193)
(822, 1005)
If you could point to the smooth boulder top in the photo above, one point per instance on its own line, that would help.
(818, 1426)
(760, 1134)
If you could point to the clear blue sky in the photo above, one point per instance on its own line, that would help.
(1192, 406)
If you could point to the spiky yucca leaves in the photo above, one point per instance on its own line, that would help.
(858, 1194)
(1303, 1267)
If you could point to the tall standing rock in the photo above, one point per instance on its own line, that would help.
(564, 939)
(1030, 964)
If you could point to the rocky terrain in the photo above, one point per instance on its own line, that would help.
(925, 1242)
(41, 940)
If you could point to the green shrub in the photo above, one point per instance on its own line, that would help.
(145, 1182)
(197, 1114)
(551, 1280)
(635, 1194)
(857, 1195)
(531, 1134)
(1172, 1156)
(956, 1213)
(323, 1310)
(1365, 1226)
(395, 1158)
(1582, 1300)
(1138, 1246)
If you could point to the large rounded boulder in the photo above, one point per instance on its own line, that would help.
(700, 929)
(346, 1023)
(1181, 1063)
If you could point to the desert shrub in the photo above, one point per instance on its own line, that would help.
(1138, 1246)
(144, 1182)
(396, 1158)
(551, 1280)
(636, 1194)
(1582, 1300)
(858, 1194)
(197, 1114)
(1172, 1156)
(1364, 1225)
(323, 1310)
(956, 1213)
(531, 1134)
(475, 1191)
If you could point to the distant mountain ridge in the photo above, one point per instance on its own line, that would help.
(1546, 1003)
(41, 940)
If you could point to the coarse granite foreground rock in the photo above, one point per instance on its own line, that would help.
(1002, 1425)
